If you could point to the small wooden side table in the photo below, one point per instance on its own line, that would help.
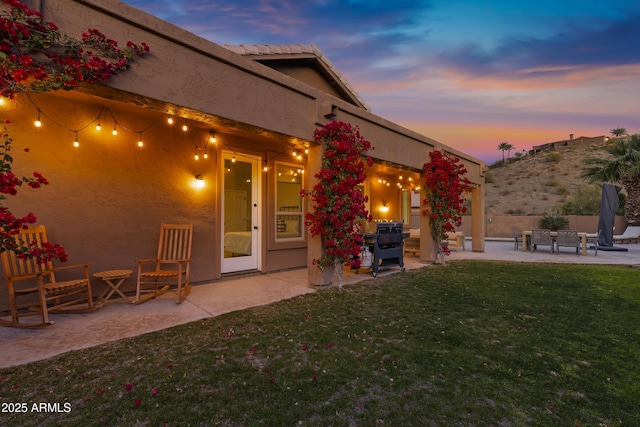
(114, 279)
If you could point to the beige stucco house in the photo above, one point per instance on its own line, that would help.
(109, 195)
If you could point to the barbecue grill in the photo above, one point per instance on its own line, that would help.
(386, 245)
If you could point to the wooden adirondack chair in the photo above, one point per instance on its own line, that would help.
(171, 267)
(35, 292)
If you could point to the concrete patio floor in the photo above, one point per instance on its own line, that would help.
(120, 320)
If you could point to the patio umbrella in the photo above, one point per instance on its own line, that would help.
(608, 207)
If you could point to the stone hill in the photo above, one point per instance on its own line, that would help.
(535, 184)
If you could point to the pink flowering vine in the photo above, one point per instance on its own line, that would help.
(338, 204)
(10, 225)
(36, 57)
(445, 183)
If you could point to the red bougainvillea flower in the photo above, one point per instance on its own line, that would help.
(39, 58)
(338, 203)
(128, 387)
(446, 184)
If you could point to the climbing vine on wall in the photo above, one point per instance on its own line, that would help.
(445, 185)
(338, 203)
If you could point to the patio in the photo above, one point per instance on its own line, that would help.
(120, 320)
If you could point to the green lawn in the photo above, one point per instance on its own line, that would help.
(466, 344)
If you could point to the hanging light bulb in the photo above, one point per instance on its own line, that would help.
(306, 151)
(140, 143)
(98, 127)
(233, 159)
(294, 153)
(212, 137)
(265, 168)
(114, 132)
(196, 156)
(76, 143)
(206, 156)
(170, 120)
(38, 123)
(184, 126)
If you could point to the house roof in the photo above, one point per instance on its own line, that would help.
(305, 56)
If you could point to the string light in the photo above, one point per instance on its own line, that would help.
(184, 126)
(206, 156)
(140, 143)
(233, 159)
(76, 143)
(212, 137)
(98, 127)
(114, 132)
(38, 123)
(170, 120)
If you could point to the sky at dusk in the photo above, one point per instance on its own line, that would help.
(467, 73)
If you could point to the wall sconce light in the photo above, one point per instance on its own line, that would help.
(333, 113)
(199, 181)
(384, 209)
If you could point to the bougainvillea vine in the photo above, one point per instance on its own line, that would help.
(36, 57)
(445, 185)
(338, 203)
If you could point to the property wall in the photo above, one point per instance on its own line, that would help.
(501, 226)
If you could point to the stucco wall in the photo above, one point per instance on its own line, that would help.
(107, 198)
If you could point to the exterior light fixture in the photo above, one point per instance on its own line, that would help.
(384, 208)
(38, 123)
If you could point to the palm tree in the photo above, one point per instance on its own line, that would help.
(618, 131)
(509, 148)
(504, 146)
(623, 168)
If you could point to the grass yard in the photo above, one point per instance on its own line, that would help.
(472, 343)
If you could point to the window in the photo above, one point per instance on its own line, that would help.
(289, 212)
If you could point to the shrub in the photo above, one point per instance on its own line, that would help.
(554, 221)
(489, 178)
(552, 182)
(553, 157)
(585, 201)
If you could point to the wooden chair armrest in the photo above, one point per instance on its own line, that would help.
(68, 267)
(141, 261)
